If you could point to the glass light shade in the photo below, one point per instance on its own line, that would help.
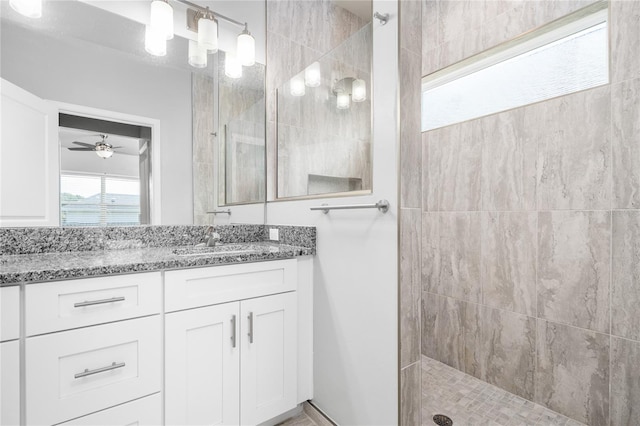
(104, 151)
(28, 8)
(162, 18)
(232, 66)
(296, 86)
(246, 49)
(343, 101)
(208, 34)
(358, 90)
(155, 41)
(197, 55)
(312, 76)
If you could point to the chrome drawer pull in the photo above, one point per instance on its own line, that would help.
(233, 331)
(250, 333)
(98, 302)
(88, 372)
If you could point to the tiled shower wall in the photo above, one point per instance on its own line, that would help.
(530, 225)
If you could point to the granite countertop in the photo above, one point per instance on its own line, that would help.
(66, 265)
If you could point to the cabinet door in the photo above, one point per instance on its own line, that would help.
(29, 166)
(202, 366)
(269, 357)
(10, 383)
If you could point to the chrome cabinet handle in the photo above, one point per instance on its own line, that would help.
(250, 334)
(233, 331)
(98, 302)
(88, 372)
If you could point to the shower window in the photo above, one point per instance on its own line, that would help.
(561, 58)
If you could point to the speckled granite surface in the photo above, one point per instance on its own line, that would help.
(45, 254)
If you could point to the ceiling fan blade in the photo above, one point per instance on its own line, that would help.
(115, 147)
(88, 145)
(81, 149)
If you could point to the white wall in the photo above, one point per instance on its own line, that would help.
(80, 73)
(355, 270)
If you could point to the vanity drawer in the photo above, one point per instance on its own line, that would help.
(141, 412)
(9, 313)
(74, 373)
(191, 288)
(71, 304)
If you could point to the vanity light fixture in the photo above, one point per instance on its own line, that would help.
(232, 66)
(208, 31)
(28, 8)
(155, 42)
(197, 55)
(161, 17)
(349, 89)
(246, 48)
(312, 75)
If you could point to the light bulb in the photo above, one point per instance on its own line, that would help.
(296, 86)
(197, 55)
(312, 76)
(232, 66)
(246, 48)
(155, 41)
(343, 101)
(28, 8)
(208, 34)
(162, 18)
(358, 90)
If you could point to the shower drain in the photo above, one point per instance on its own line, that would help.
(442, 420)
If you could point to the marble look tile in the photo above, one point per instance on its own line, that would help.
(451, 254)
(410, 286)
(572, 377)
(508, 163)
(625, 33)
(625, 382)
(574, 164)
(410, 137)
(508, 351)
(574, 265)
(411, 25)
(442, 330)
(451, 175)
(625, 284)
(509, 261)
(473, 338)
(410, 395)
(625, 118)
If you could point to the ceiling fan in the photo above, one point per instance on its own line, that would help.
(101, 148)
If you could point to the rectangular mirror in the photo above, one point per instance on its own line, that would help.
(94, 59)
(323, 116)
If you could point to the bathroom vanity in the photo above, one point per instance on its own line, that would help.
(166, 337)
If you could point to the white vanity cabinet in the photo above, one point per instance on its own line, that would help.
(91, 344)
(233, 362)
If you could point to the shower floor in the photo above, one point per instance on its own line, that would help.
(469, 401)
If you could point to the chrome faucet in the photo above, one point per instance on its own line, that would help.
(211, 237)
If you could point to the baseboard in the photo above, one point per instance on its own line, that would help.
(317, 415)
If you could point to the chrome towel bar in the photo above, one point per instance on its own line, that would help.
(228, 211)
(382, 205)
